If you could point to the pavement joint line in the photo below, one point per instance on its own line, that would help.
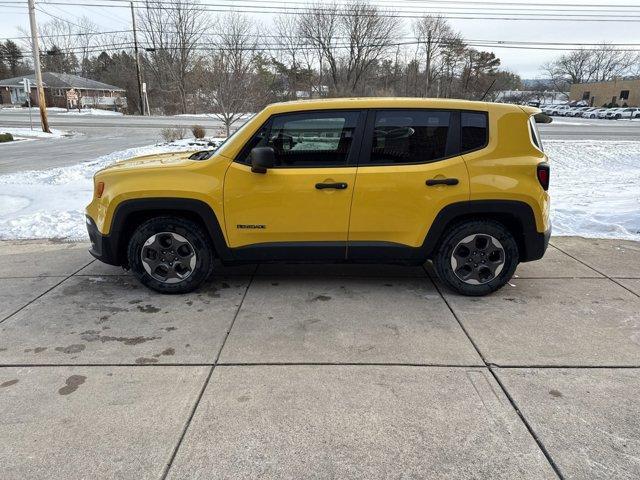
(595, 270)
(301, 364)
(174, 453)
(513, 403)
(322, 364)
(44, 293)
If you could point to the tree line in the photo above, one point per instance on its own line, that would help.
(194, 61)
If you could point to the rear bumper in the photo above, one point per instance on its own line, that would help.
(102, 246)
(535, 245)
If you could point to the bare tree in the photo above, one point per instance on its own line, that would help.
(173, 33)
(229, 78)
(350, 38)
(75, 41)
(590, 65)
(432, 34)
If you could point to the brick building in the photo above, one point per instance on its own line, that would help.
(91, 93)
(597, 94)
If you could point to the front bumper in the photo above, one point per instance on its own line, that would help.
(102, 246)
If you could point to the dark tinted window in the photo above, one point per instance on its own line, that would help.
(316, 139)
(473, 131)
(409, 136)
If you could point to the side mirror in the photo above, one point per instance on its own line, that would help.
(262, 158)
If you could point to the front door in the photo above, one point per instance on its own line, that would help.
(410, 169)
(304, 200)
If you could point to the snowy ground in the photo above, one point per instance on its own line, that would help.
(64, 111)
(595, 189)
(50, 203)
(21, 133)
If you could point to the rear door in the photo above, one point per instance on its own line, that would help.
(410, 168)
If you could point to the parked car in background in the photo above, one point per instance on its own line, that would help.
(603, 112)
(593, 112)
(620, 113)
(559, 110)
(580, 110)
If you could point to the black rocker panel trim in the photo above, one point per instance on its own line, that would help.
(292, 252)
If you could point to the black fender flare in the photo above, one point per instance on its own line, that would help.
(517, 215)
(148, 207)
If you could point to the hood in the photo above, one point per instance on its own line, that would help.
(160, 160)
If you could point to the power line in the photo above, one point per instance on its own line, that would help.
(479, 15)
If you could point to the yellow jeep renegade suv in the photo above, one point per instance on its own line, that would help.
(347, 180)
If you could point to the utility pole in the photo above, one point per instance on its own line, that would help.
(42, 103)
(135, 47)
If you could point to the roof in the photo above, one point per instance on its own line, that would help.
(61, 80)
(386, 102)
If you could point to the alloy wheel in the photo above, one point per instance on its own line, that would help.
(168, 257)
(478, 259)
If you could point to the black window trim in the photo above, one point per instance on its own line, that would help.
(354, 151)
(454, 136)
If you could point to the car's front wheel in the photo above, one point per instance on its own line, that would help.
(476, 257)
(170, 255)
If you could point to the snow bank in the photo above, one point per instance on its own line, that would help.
(93, 111)
(595, 188)
(50, 203)
(35, 133)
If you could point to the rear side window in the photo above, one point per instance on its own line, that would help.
(313, 139)
(473, 131)
(409, 136)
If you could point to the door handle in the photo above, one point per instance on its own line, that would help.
(441, 181)
(337, 186)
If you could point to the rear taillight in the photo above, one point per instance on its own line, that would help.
(543, 174)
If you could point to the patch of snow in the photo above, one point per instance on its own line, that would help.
(50, 203)
(35, 133)
(92, 111)
(209, 115)
(595, 188)
(18, 109)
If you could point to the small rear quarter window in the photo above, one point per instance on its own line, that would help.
(473, 131)
(535, 136)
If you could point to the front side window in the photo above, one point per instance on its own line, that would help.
(409, 136)
(314, 139)
(473, 131)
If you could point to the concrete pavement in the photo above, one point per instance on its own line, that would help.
(320, 371)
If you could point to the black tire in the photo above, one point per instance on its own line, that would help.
(196, 238)
(442, 259)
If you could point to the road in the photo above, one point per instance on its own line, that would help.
(100, 135)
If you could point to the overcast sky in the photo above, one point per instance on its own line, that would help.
(524, 62)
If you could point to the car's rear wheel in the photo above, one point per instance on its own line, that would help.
(476, 257)
(170, 255)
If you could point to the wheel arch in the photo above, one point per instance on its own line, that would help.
(129, 214)
(516, 216)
